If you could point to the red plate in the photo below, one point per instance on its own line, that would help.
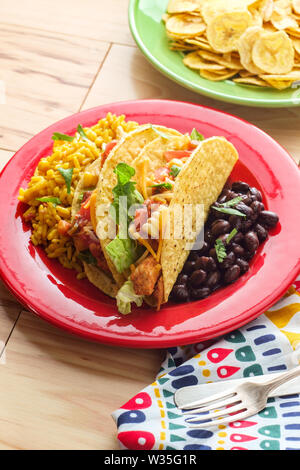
(53, 292)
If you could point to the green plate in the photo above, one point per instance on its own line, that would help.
(149, 33)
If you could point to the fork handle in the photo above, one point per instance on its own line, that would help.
(282, 378)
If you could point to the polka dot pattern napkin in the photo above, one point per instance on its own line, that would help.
(271, 343)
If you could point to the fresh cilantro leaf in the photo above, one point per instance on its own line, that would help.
(160, 133)
(175, 170)
(124, 173)
(58, 136)
(220, 250)
(67, 175)
(87, 257)
(162, 186)
(231, 235)
(83, 134)
(195, 135)
(54, 200)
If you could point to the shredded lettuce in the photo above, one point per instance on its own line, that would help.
(126, 296)
(195, 135)
(123, 252)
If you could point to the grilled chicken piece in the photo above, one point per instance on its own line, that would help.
(145, 276)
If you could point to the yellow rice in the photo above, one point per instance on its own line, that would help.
(47, 181)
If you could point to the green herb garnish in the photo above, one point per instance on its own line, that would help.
(54, 200)
(87, 257)
(226, 207)
(233, 202)
(67, 175)
(195, 135)
(229, 210)
(83, 134)
(124, 188)
(231, 235)
(175, 170)
(220, 250)
(162, 186)
(160, 133)
(58, 136)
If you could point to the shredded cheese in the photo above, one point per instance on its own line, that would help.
(92, 200)
(147, 246)
(162, 224)
(143, 166)
(163, 196)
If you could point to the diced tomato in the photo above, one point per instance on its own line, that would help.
(161, 174)
(193, 144)
(84, 212)
(140, 218)
(108, 149)
(63, 227)
(170, 154)
(85, 237)
(144, 213)
(95, 249)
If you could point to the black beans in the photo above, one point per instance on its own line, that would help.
(230, 195)
(246, 225)
(213, 279)
(251, 241)
(207, 263)
(268, 219)
(203, 249)
(238, 250)
(219, 227)
(232, 273)
(240, 187)
(189, 267)
(207, 269)
(201, 293)
(257, 207)
(180, 293)
(235, 221)
(242, 207)
(198, 277)
(261, 232)
(244, 266)
(228, 261)
(182, 279)
(256, 194)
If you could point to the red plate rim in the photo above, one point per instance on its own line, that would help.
(273, 170)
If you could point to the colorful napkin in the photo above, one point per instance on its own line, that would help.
(271, 343)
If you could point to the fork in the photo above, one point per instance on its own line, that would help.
(236, 403)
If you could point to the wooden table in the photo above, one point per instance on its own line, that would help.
(56, 58)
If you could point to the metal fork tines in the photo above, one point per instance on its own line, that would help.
(236, 403)
(219, 410)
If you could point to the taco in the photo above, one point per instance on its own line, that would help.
(157, 170)
(83, 226)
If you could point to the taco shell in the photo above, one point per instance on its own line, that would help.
(200, 182)
(95, 275)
